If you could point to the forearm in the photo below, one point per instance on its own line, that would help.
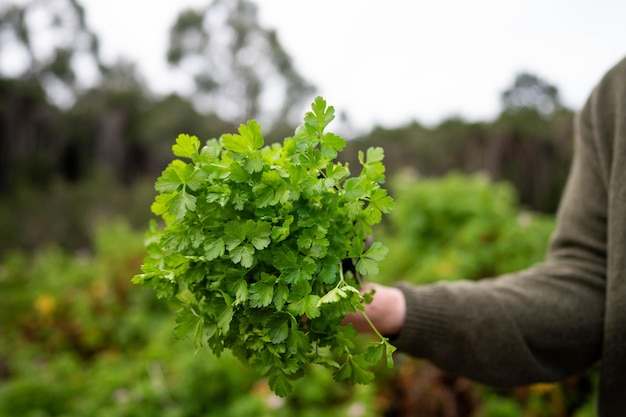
(539, 325)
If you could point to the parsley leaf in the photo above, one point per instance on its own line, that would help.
(248, 140)
(186, 146)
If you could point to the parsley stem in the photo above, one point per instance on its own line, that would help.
(367, 319)
(359, 279)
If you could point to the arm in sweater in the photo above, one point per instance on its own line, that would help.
(540, 324)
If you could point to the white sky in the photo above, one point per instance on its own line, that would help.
(391, 62)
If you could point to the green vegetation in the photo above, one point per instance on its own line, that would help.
(254, 244)
(462, 227)
(80, 339)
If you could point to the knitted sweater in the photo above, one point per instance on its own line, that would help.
(560, 317)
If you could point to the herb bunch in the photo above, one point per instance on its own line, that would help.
(251, 248)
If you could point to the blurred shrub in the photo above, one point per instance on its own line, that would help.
(459, 227)
(64, 214)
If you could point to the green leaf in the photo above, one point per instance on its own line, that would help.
(311, 310)
(186, 146)
(299, 290)
(272, 178)
(279, 383)
(374, 353)
(238, 173)
(169, 180)
(329, 270)
(375, 154)
(281, 232)
(294, 268)
(321, 115)
(376, 251)
(354, 369)
(302, 302)
(281, 294)
(261, 293)
(382, 201)
(313, 241)
(368, 262)
(178, 174)
(247, 141)
(312, 159)
(254, 162)
(331, 145)
(243, 255)
(354, 189)
(209, 153)
(214, 248)
(219, 194)
(336, 172)
(297, 174)
(265, 195)
(298, 342)
(373, 168)
(367, 267)
(195, 180)
(258, 233)
(188, 324)
(180, 203)
(312, 187)
(371, 215)
(278, 328)
(345, 337)
(234, 234)
(333, 296)
(354, 209)
(238, 287)
(389, 349)
(360, 374)
(239, 200)
(224, 319)
(161, 203)
(272, 190)
(344, 372)
(356, 248)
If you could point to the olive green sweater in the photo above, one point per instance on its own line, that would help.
(564, 315)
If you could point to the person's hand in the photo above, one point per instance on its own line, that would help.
(386, 311)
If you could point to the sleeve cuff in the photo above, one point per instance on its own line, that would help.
(424, 327)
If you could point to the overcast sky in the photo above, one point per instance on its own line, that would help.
(391, 62)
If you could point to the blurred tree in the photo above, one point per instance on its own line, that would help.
(522, 146)
(102, 129)
(531, 92)
(533, 151)
(164, 120)
(48, 56)
(48, 41)
(240, 70)
(27, 146)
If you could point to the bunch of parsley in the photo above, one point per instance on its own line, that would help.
(251, 248)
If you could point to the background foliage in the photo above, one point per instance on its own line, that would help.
(80, 340)
(78, 163)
